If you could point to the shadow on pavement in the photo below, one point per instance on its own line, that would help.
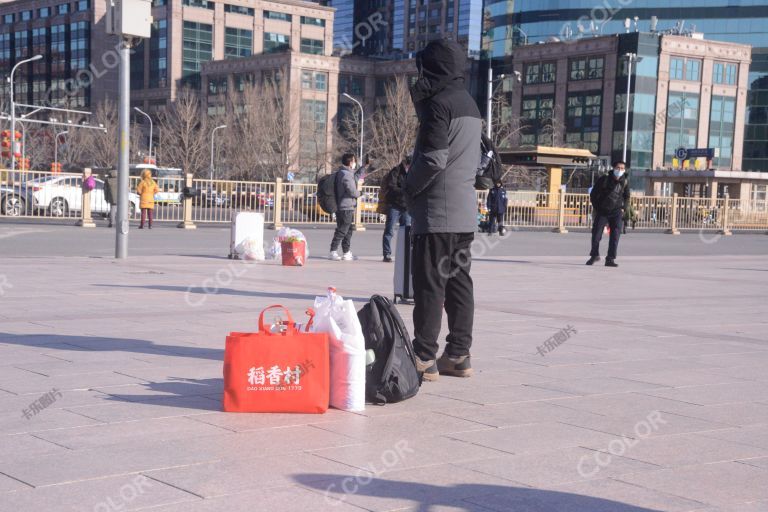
(426, 497)
(214, 290)
(202, 394)
(102, 344)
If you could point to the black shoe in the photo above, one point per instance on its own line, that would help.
(611, 263)
(454, 366)
(141, 227)
(387, 259)
(592, 260)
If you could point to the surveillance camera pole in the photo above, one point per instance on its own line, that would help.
(124, 111)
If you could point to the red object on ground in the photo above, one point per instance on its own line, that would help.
(294, 253)
(278, 369)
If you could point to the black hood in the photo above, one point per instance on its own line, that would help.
(440, 64)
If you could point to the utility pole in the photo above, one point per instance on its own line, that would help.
(130, 20)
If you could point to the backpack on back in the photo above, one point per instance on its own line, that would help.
(490, 170)
(326, 193)
(392, 377)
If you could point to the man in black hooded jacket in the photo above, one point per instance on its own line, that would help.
(609, 197)
(443, 207)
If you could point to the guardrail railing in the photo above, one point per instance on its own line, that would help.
(46, 195)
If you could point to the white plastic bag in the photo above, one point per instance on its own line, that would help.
(275, 251)
(338, 318)
(251, 249)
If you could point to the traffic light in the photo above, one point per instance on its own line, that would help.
(55, 168)
(24, 164)
(149, 160)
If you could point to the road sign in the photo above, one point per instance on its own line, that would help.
(689, 153)
(289, 176)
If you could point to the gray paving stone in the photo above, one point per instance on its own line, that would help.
(489, 395)
(596, 386)
(723, 484)
(750, 436)
(614, 490)
(545, 469)
(534, 437)
(715, 394)
(48, 419)
(127, 492)
(737, 414)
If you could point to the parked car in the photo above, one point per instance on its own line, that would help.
(60, 195)
(15, 202)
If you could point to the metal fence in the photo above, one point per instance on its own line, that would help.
(60, 196)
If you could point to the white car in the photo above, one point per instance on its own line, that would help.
(61, 195)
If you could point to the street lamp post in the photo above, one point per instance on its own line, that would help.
(362, 124)
(489, 107)
(137, 109)
(212, 141)
(13, 108)
(631, 57)
(56, 146)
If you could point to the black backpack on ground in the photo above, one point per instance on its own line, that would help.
(392, 377)
(326, 193)
(490, 171)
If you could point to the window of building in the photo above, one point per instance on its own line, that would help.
(352, 84)
(540, 72)
(238, 42)
(137, 65)
(62, 9)
(9, 19)
(79, 58)
(309, 20)
(583, 119)
(217, 85)
(676, 68)
(242, 80)
(274, 15)
(725, 73)
(316, 80)
(276, 42)
(693, 70)
(239, 9)
(682, 123)
(158, 3)
(158, 54)
(587, 68)
(83, 5)
(684, 69)
(25, 15)
(44, 12)
(721, 129)
(313, 132)
(313, 46)
(203, 4)
(198, 48)
(536, 120)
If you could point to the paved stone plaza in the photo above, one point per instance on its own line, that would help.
(654, 399)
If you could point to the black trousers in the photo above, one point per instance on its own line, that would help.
(616, 222)
(496, 222)
(345, 220)
(441, 265)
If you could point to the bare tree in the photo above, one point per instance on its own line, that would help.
(552, 131)
(393, 126)
(184, 135)
(260, 141)
(506, 128)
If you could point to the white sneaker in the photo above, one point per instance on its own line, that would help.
(348, 256)
(334, 256)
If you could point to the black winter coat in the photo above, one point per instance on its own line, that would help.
(396, 189)
(610, 195)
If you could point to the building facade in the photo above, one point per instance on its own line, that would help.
(508, 25)
(79, 68)
(685, 92)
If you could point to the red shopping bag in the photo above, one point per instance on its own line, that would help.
(278, 369)
(294, 253)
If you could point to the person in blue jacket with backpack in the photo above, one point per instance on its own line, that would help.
(497, 208)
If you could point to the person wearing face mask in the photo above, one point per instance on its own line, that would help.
(346, 192)
(396, 209)
(609, 197)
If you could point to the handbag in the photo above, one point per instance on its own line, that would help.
(277, 369)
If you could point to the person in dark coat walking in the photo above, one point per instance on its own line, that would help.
(110, 195)
(609, 197)
(396, 207)
(440, 189)
(497, 207)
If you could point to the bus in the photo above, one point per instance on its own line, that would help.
(170, 182)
